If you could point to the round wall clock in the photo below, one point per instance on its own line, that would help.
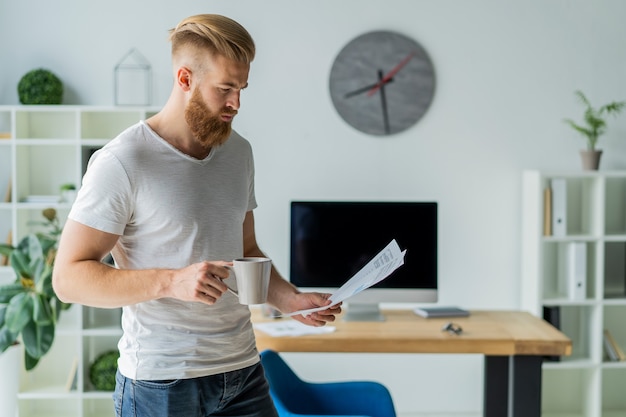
(382, 83)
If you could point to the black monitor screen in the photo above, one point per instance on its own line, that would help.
(331, 241)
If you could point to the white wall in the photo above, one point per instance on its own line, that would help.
(506, 72)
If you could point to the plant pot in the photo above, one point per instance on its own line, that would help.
(590, 159)
(10, 362)
(68, 196)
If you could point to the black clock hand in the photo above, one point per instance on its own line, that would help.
(364, 89)
(391, 73)
(383, 99)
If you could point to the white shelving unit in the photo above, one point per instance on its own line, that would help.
(41, 148)
(587, 383)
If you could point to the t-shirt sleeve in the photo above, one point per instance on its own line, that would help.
(104, 200)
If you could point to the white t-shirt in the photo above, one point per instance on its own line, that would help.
(172, 210)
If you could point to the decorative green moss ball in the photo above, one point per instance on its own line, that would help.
(40, 86)
(103, 369)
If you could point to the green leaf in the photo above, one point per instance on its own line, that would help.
(29, 361)
(6, 249)
(46, 243)
(20, 263)
(18, 312)
(7, 292)
(42, 312)
(37, 339)
(6, 337)
(43, 280)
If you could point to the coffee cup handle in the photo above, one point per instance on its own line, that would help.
(231, 274)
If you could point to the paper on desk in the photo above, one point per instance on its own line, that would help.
(291, 328)
(379, 268)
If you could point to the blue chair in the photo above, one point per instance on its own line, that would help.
(294, 397)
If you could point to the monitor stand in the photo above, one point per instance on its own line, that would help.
(363, 312)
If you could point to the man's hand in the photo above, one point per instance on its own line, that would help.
(308, 300)
(200, 282)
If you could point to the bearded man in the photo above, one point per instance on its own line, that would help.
(172, 199)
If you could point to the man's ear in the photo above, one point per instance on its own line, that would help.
(183, 78)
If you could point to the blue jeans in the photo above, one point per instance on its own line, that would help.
(241, 393)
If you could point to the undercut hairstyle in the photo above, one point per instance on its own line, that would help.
(215, 34)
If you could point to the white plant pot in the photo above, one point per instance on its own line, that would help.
(10, 366)
(68, 196)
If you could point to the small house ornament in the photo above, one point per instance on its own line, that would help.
(133, 80)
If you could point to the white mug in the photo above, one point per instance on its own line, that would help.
(252, 275)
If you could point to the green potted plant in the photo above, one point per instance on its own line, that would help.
(29, 306)
(40, 86)
(68, 193)
(593, 126)
(102, 370)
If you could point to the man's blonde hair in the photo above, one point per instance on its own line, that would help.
(215, 34)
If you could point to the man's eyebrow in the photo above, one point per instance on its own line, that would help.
(233, 85)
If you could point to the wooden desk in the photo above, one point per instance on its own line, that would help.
(513, 343)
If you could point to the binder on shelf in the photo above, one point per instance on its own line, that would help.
(547, 211)
(613, 350)
(576, 270)
(70, 383)
(559, 207)
(5, 259)
(552, 314)
(7, 194)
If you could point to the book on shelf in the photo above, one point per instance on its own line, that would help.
(7, 195)
(547, 211)
(70, 384)
(612, 348)
(4, 261)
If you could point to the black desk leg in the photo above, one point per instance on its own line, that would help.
(527, 386)
(516, 379)
(496, 397)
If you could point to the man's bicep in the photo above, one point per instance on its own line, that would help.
(79, 243)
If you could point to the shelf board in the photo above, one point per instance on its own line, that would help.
(566, 363)
(562, 301)
(103, 331)
(45, 141)
(97, 395)
(47, 392)
(615, 237)
(560, 414)
(614, 301)
(614, 365)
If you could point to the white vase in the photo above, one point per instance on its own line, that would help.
(68, 196)
(10, 366)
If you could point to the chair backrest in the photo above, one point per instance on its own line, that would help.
(286, 388)
(294, 397)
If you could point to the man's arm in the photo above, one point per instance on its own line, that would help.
(80, 277)
(282, 294)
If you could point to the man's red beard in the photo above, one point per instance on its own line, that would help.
(205, 125)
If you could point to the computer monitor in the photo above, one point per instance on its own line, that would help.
(333, 240)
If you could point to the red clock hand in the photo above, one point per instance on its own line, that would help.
(390, 74)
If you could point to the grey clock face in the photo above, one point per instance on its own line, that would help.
(382, 83)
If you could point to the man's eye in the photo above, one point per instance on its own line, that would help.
(224, 90)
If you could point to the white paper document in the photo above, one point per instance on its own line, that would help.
(379, 268)
(291, 328)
